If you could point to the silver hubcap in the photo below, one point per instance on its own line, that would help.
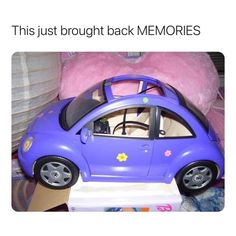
(55, 174)
(197, 177)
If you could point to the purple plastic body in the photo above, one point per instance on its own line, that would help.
(151, 159)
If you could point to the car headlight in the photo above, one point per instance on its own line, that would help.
(27, 144)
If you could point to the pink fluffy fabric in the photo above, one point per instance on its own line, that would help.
(192, 73)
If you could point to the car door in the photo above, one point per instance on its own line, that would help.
(120, 143)
(174, 136)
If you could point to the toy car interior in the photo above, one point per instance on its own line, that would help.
(151, 134)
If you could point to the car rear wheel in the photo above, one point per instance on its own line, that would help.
(56, 172)
(196, 177)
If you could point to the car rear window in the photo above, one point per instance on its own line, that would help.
(192, 108)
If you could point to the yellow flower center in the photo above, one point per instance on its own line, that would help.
(121, 157)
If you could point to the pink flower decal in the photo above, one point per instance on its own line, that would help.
(167, 153)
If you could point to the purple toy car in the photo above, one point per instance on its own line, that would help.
(153, 135)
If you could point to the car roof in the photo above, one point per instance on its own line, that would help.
(145, 83)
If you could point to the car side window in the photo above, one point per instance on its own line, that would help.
(173, 126)
(131, 122)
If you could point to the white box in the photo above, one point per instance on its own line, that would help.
(112, 196)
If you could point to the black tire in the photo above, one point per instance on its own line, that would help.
(56, 172)
(196, 177)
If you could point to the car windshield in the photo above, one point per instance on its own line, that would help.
(83, 104)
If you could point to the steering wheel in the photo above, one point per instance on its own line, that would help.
(145, 126)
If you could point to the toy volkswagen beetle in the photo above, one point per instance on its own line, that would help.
(153, 135)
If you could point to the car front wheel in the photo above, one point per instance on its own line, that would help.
(56, 172)
(196, 177)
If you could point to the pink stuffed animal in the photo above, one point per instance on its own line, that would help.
(192, 73)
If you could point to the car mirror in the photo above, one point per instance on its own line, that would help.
(84, 135)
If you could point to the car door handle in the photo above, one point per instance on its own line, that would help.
(145, 147)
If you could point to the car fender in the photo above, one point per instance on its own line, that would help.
(66, 147)
(199, 152)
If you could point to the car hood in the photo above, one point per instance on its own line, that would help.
(48, 119)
